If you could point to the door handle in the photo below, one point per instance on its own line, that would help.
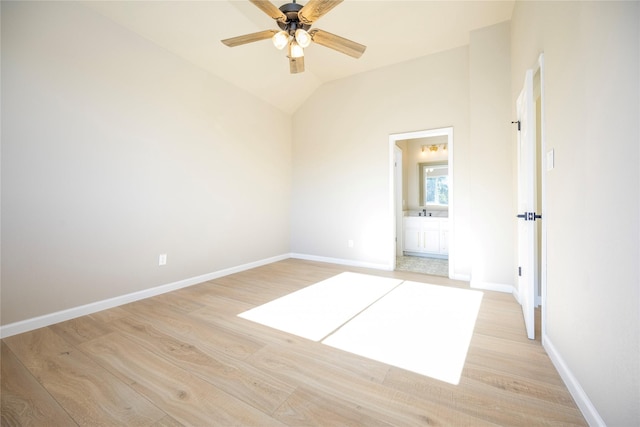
(529, 216)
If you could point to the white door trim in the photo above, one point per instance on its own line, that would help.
(539, 68)
(398, 197)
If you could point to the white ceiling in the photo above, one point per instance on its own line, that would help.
(393, 31)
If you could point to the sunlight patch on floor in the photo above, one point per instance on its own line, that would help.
(415, 326)
(317, 310)
(418, 327)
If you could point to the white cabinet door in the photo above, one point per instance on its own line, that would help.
(426, 235)
(444, 236)
(444, 242)
(412, 240)
(412, 235)
(431, 240)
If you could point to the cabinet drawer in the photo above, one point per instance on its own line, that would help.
(412, 221)
(431, 224)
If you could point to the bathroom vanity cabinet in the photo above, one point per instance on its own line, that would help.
(426, 235)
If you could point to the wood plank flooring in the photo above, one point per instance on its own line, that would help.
(185, 358)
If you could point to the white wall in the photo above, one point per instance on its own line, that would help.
(341, 154)
(114, 151)
(340, 188)
(491, 148)
(592, 106)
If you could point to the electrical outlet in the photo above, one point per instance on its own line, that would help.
(162, 259)
(350, 243)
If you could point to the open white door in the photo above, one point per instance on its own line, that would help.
(526, 203)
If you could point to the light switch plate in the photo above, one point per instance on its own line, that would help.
(550, 160)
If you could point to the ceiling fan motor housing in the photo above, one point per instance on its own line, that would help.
(293, 22)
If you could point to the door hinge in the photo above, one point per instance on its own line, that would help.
(518, 122)
(520, 271)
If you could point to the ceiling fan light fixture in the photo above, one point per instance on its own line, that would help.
(294, 22)
(303, 38)
(295, 50)
(280, 39)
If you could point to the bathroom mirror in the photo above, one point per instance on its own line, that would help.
(433, 183)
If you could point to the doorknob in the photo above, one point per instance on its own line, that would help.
(529, 216)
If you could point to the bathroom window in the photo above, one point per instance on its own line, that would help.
(437, 190)
(434, 184)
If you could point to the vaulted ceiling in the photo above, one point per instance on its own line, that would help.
(393, 31)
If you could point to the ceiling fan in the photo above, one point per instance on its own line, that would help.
(295, 21)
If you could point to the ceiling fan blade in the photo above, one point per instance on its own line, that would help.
(296, 65)
(270, 9)
(346, 46)
(249, 38)
(315, 9)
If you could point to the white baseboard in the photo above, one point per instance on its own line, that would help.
(516, 295)
(341, 261)
(582, 400)
(489, 286)
(83, 310)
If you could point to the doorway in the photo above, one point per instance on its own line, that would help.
(418, 189)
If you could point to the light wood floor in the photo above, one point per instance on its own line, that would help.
(185, 358)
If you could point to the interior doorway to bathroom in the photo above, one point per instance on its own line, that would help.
(422, 198)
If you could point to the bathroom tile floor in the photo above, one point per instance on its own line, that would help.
(433, 266)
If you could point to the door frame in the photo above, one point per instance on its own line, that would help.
(544, 168)
(393, 138)
(398, 191)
